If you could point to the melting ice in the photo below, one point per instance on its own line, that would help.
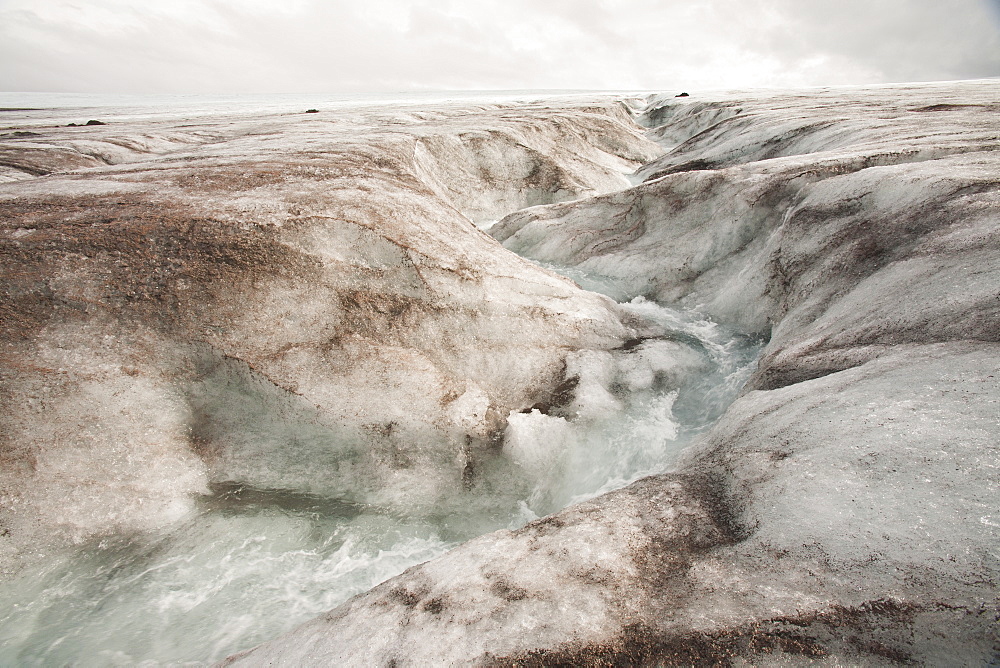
(254, 563)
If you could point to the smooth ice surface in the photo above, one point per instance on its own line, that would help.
(40, 108)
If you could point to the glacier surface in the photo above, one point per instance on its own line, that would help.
(843, 510)
(255, 346)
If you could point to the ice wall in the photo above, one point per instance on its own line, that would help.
(293, 301)
(844, 508)
(838, 253)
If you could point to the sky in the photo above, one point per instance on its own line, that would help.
(347, 46)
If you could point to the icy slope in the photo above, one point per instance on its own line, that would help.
(839, 253)
(294, 302)
(845, 508)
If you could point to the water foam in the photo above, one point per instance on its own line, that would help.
(250, 563)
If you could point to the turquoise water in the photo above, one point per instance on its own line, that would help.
(253, 563)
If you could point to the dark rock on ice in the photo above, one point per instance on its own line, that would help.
(92, 122)
(312, 111)
(682, 95)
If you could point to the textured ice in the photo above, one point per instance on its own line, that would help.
(277, 354)
(843, 510)
(286, 301)
(269, 364)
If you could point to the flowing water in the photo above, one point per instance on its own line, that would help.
(253, 563)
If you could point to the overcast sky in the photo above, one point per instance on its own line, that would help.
(315, 46)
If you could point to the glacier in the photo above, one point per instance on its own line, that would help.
(210, 325)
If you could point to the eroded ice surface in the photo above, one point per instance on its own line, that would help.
(253, 563)
(632, 410)
(286, 300)
(321, 372)
(842, 511)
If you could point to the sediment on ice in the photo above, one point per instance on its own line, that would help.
(306, 307)
(844, 509)
(294, 302)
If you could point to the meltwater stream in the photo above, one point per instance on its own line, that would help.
(254, 563)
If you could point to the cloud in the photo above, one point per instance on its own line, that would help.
(899, 40)
(224, 46)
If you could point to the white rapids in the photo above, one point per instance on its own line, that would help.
(253, 563)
